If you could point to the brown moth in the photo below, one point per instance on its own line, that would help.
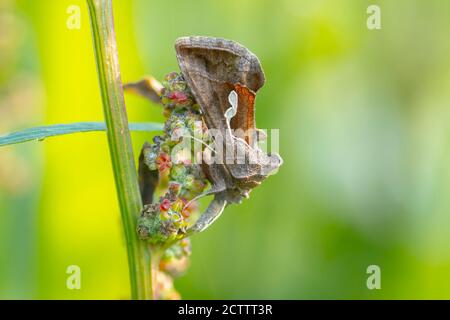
(224, 77)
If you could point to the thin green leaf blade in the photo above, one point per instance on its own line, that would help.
(43, 132)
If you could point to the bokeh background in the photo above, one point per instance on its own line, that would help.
(364, 132)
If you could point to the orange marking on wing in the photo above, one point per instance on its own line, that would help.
(246, 103)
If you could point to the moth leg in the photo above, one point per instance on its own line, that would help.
(210, 215)
(148, 87)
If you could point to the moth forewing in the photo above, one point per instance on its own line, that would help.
(224, 77)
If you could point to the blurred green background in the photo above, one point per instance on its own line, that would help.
(364, 127)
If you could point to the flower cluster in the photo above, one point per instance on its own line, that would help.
(173, 263)
(166, 221)
(175, 259)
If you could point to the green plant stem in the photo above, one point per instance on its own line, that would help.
(156, 253)
(119, 140)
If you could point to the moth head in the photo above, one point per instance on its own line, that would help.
(271, 164)
(244, 186)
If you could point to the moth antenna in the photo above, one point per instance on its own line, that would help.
(194, 199)
(204, 194)
(237, 138)
(196, 139)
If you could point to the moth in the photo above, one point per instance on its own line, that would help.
(224, 77)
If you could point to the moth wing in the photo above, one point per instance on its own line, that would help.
(244, 120)
(212, 68)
